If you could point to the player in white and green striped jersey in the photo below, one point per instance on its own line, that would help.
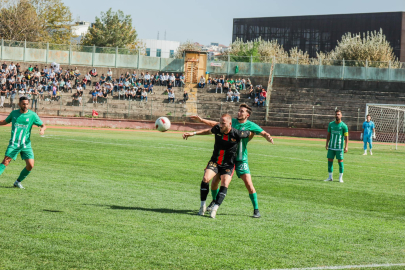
(338, 134)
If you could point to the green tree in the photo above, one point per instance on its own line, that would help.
(112, 29)
(19, 21)
(56, 19)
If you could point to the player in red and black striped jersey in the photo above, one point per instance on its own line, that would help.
(222, 160)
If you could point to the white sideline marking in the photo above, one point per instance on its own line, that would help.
(345, 266)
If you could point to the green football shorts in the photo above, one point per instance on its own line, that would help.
(241, 168)
(333, 153)
(26, 153)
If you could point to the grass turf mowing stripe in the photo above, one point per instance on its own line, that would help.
(345, 267)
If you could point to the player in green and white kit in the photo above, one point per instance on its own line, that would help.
(22, 121)
(241, 164)
(337, 133)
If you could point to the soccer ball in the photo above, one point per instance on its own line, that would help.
(162, 124)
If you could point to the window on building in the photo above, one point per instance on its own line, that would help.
(171, 53)
(147, 51)
(158, 53)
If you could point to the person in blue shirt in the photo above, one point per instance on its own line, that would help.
(368, 134)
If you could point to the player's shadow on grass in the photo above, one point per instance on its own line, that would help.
(7, 187)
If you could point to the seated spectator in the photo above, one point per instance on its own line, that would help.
(256, 102)
(62, 84)
(233, 87)
(88, 78)
(248, 83)
(150, 88)
(147, 78)
(109, 75)
(79, 89)
(127, 84)
(201, 84)
(93, 72)
(109, 88)
(68, 86)
(102, 79)
(177, 80)
(181, 80)
(128, 94)
(219, 85)
(170, 86)
(144, 95)
(84, 83)
(185, 96)
(229, 95)
(225, 86)
(251, 92)
(172, 79)
(121, 93)
(54, 93)
(138, 93)
(21, 93)
(171, 96)
(236, 96)
(94, 95)
(75, 98)
(76, 72)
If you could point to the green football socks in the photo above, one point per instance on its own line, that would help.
(330, 166)
(341, 167)
(24, 173)
(2, 168)
(253, 198)
(214, 193)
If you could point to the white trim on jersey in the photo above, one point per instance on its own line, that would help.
(19, 138)
(15, 132)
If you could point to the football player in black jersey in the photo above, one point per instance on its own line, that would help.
(222, 160)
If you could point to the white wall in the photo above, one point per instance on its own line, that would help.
(164, 45)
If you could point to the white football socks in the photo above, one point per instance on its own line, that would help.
(330, 175)
(202, 203)
(340, 177)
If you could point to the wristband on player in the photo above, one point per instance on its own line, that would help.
(194, 133)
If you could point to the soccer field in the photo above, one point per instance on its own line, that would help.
(128, 199)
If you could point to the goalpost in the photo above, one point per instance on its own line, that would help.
(389, 122)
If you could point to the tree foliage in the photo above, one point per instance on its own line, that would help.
(112, 29)
(371, 46)
(35, 20)
(186, 46)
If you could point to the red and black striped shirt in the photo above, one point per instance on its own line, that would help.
(226, 145)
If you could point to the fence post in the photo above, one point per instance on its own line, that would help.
(389, 70)
(47, 53)
(160, 63)
(93, 55)
(296, 69)
(251, 65)
(139, 56)
(25, 50)
(116, 56)
(2, 46)
(70, 54)
(313, 109)
(229, 60)
(343, 70)
(319, 67)
(358, 115)
(366, 75)
(289, 113)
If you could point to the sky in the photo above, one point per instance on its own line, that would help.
(211, 21)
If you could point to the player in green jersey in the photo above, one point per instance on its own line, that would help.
(241, 164)
(337, 133)
(22, 121)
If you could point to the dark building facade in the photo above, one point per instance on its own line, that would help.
(321, 32)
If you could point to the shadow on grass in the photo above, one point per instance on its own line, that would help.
(7, 187)
(52, 211)
(156, 210)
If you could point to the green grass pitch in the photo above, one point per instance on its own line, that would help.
(128, 200)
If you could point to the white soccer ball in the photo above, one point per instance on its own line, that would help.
(162, 124)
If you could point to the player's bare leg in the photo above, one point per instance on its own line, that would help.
(225, 181)
(204, 189)
(24, 173)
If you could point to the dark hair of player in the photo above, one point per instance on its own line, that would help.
(23, 98)
(248, 108)
(338, 111)
(368, 115)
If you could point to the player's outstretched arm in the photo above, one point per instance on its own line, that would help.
(201, 132)
(267, 136)
(205, 121)
(3, 122)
